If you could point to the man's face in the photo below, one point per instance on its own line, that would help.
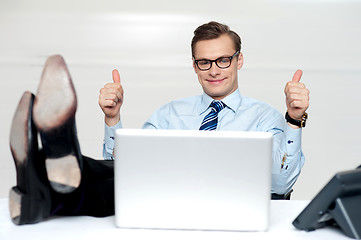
(216, 82)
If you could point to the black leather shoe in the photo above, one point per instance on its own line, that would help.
(54, 116)
(30, 200)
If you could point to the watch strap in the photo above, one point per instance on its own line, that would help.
(298, 123)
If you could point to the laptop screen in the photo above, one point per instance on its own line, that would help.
(185, 179)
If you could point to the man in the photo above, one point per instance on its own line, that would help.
(217, 57)
(59, 180)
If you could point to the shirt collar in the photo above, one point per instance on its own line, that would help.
(233, 101)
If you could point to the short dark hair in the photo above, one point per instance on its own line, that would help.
(213, 30)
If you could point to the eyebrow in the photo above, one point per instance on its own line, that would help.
(224, 55)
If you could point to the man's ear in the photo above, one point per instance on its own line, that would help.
(194, 65)
(240, 61)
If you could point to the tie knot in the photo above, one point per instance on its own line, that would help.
(217, 105)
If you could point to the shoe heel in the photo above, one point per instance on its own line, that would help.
(15, 199)
(63, 158)
(25, 209)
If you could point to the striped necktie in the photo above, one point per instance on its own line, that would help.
(211, 120)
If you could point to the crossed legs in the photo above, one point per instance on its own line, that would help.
(57, 179)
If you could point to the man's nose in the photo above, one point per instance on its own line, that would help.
(214, 70)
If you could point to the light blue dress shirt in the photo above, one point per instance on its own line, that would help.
(241, 114)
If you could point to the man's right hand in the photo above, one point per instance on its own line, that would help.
(111, 99)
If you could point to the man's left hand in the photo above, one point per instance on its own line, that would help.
(297, 96)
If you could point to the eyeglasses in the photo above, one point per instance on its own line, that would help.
(222, 62)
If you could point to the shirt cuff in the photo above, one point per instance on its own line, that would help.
(109, 134)
(293, 140)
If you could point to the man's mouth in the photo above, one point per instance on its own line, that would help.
(215, 81)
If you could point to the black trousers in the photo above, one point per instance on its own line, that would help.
(94, 196)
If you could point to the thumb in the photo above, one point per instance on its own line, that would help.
(297, 76)
(116, 76)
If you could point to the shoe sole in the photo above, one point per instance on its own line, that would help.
(28, 201)
(19, 146)
(19, 137)
(54, 115)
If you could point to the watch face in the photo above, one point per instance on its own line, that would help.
(304, 118)
(303, 124)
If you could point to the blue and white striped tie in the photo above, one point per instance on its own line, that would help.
(211, 120)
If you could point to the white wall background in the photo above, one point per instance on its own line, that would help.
(149, 42)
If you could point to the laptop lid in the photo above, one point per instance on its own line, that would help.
(190, 179)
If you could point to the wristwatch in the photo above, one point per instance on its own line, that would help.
(295, 122)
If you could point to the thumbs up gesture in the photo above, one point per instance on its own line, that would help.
(111, 99)
(297, 96)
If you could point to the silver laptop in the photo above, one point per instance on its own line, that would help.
(196, 180)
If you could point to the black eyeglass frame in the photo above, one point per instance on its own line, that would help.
(215, 61)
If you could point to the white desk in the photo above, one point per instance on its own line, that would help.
(282, 215)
